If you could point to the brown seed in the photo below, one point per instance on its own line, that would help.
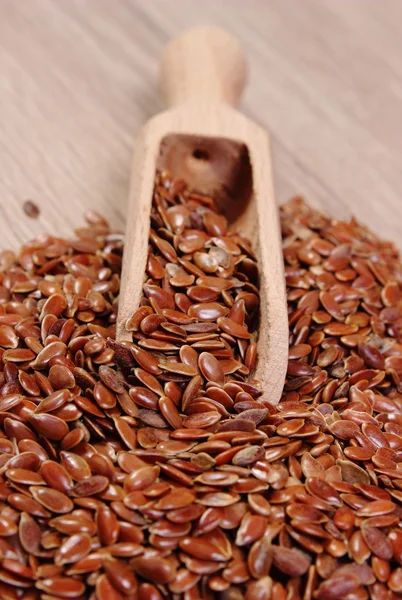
(31, 209)
(154, 568)
(177, 498)
(185, 514)
(201, 420)
(395, 580)
(73, 549)
(144, 397)
(331, 305)
(179, 368)
(344, 430)
(381, 568)
(201, 549)
(64, 587)
(190, 391)
(49, 426)
(357, 453)
(232, 328)
(207, 311)
(29, 533)
(311, 467)
(24, 503)
(217, 478)
(121, 576)
(162, 298)
(75, 465)
(260, 558)
(376, 508)
(133, 322)
(105, 590)
(395, 537)
(352, 473)
(378, 543)
(147, 591)
(89, 564)
(170, 412)
(110, 379)
(202, 294)
(254, 414)
(149, 417)
(304, 512)
(60, 377)
(127, 433)
(344, 518)
(151, 323)
(337, 587)
(48, 353)
(24, 476)
(7, 527)
(358, 549)
(260, 590)
(251, 529)
(290, 560)
(371, 356)
(211, 368)
(167, 529)
(18, 355)
(104, 397)
(108, 525)
(248, 456)
(15, 568)
(215, 283)
(141, 479)
(127, 405)
(322, 489)
(90, 486)
(53, 500)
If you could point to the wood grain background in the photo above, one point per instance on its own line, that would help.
(79, 77)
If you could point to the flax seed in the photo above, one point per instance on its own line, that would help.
(156, 467)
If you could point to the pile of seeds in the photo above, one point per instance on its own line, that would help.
(153, 469)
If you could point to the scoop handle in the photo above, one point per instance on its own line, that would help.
(203, 64)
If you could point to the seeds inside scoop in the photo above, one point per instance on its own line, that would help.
(153, 468)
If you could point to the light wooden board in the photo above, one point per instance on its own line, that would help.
(79, 77)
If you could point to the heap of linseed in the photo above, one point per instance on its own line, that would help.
(151, 470)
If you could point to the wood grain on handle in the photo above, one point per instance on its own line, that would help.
(203, 64)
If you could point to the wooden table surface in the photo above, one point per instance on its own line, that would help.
(79, 77)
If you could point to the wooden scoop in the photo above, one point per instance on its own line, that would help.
(202, 139)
